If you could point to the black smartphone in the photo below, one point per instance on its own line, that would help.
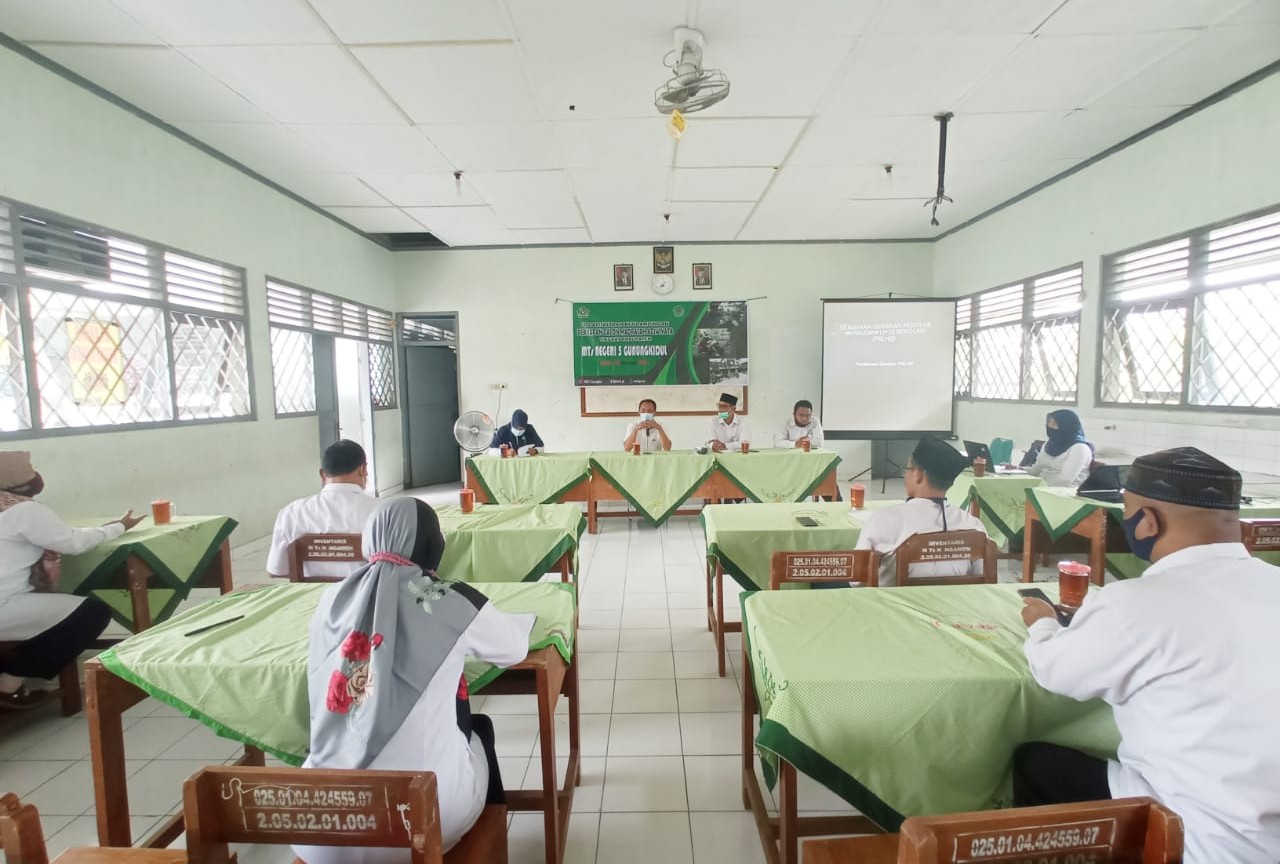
(1064, 615)
(807, 521)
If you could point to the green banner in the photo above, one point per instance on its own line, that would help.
(660, 343)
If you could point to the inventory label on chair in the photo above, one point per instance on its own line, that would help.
(819, 565)
(285, 808)
(336, 547)
(1074, 843)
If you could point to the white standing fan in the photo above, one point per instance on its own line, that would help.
(474, 432)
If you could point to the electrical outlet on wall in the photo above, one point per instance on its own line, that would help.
(497, 386)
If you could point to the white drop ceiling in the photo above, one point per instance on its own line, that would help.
(367, 108)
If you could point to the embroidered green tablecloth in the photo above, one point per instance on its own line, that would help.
(178, 554)
(1001, 501)
(743, 537)
(1061, 509)
(540, 479)
(508, 542)
(906, 701)
(656, 484)
(247, 680)
(777, 476)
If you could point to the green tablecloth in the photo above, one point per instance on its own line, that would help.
(178, 554)
(1060, 510)
(508, 542)
(775, 476)
(540, 479)
(906, 701)
(1001, 501)
(247, 680)
(743, 538)
(656, 484)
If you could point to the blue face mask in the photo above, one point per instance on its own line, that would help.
(1140, 548)
(517, 431)
(645, 417)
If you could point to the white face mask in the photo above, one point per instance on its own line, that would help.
(517, 431)
(645, 416)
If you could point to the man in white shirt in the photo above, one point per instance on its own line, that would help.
(728, 430)
(341, 507)
(1185, 655)
(931, 470)
(647, 432)
(802, 425)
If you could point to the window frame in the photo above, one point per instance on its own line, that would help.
(1197, 239)
(23, 282)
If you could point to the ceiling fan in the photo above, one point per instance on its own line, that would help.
(692, 87)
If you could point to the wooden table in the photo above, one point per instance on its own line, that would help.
(138, 579)
(1093, 528)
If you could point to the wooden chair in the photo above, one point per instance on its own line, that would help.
(1260, 535)
(68, 683)
(322, 548)
(944, 547)
(1124, 831)
(329, 807)
(860, 566)
(24, 842)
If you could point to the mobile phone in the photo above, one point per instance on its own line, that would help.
(1036, 593)
(1064, 615)
(807, 521)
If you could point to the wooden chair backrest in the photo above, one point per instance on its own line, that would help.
(860, 566)
(945, 546)
(21, 832)
(1124, 831)
(311, 807)
(327, 548)
(1260, 535)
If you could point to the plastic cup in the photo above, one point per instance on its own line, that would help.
(979, 467)
(467, 498)
(746, 446)
(857, 496)
(804, 444)
(1073, 583)
(635, 448)
(162, 512)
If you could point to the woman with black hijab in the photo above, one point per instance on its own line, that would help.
(1065, 458)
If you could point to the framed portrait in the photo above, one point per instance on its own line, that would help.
(664, 259)
(701, 277)
(623, 278)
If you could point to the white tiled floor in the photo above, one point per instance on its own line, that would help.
(659, 732)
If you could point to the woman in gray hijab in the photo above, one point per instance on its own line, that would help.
(384, 674)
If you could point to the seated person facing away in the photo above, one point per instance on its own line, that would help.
(341, 507)
(728, 430)
(51, 629)
(384, 674)
(931, 470)
(801, 425)
(646, 431)
(1065, 458)
(519, 435)
(1185, 656)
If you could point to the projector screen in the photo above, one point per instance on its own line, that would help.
(888, 367)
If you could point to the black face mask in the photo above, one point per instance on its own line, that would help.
(30, 489)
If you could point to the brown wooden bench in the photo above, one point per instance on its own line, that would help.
(945, 547)
(23, 839)
(1260, 535)
(860, 567)
(329, 807)
(322, 549)
(1129, 830)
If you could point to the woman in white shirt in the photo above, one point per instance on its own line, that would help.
(52, 629)
(1065, 458)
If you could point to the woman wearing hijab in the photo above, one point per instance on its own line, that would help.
(384, 674)
(1065, 458)
(52, 628)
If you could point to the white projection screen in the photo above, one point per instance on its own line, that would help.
(888, 367)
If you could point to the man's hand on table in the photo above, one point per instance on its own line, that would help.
(717, 446)
(1033, 609)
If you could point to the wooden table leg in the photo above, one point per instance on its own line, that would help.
(593, 526)
(221, 566)
(565, 566)
(748, 724)
(1097, 544)
(547, 746)
(711, 627)
(1029, 543)
(139, 574)
(788, 813)
(106, 698)
(719, 621)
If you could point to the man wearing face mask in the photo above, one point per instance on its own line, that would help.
(647, 432)
(519, 435)
(728, 430)
(1185, 655)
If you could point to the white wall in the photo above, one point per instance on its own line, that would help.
(1216, 164)
(512, 330)
(70, 151)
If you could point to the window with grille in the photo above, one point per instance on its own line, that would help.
(1021, 341)
(99, 329)
(297, 314)
(1191, 321)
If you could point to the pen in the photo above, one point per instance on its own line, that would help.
(211, 626)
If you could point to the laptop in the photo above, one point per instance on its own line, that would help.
(1033, 453)
(1105, 483)
(974, 450)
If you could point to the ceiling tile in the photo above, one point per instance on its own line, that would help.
(529, 199)
(942, 17)
(158, 80)
(551, 235)
(1067, 72)
(262, 146)
(1132, 16)
(775, 76)
(299, 84)
(595, 20)
(720, 184)
(1086, 133)
(462, 226)
(377, 220)
(424, 190)
(765, 227)
(370, 21)
(801, 184)
(605, 78)
(328, 190)
(839, 141)
(496, 146)
(454, 83)
(693, 221)
(71, 21)
(615, 143)
(229, 22)
(727, 143)
(979, 137)
(362, 149)
(721, 19)
(1257, 12)
(858, 220)
(638, 190)
(890, 75)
